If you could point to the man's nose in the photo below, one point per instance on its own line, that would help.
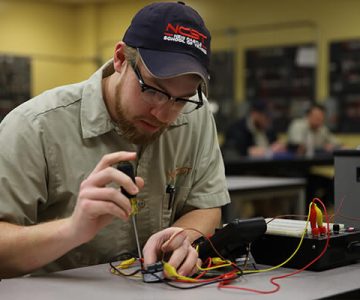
(163, 113)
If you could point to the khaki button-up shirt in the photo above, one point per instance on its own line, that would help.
(51, 143)
(300, 133)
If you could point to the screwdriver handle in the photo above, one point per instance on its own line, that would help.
(127, 168)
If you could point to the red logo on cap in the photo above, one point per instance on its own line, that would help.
(185, 31)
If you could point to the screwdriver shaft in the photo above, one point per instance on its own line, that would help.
(133, 218)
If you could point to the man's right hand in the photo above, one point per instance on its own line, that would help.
(96, 206)
(97, 202)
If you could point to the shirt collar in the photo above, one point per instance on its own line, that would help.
(95, 119)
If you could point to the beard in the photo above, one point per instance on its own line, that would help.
(131, 133)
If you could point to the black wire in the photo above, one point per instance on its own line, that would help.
(165, 281)
(237, 268)
(196, 285)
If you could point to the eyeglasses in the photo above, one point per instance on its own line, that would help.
(157, 97)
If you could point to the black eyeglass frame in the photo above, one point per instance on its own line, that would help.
(145, 87)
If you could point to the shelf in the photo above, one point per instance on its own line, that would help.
(281, 76)
(344, 83)
(14, 82)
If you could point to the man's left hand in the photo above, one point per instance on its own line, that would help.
(175, 244)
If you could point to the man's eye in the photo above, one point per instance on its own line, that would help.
(180, 103)
(156, 95)
(151, 91)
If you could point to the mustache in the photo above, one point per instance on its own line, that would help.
(153, 122)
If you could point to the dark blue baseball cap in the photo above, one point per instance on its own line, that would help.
(259, 106)
(172, 40)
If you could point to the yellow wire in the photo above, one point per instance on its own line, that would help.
(291, 256)
(125, 264)
(215, 267)
(218, 263)
(171, 272)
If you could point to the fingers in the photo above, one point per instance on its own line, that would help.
(120, 204)
(97, 202)
(97, 209)
(109, 175)
(173, 241)
(139, 182)
(153, 248)
(151, 255)
(113, 158)
(104, 173)
(184, 258)
(96, 198)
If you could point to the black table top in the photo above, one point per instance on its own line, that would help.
(282, 166)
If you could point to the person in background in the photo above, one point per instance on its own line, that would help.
(61, 206)
(253, 135)
(309, 135)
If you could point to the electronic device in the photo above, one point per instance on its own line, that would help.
(347, 186)
(154, 272)
(283, 236)
(232, 241)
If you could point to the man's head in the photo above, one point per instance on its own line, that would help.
(316, 116)
(171, 39)
(259, 115)
(160, 64)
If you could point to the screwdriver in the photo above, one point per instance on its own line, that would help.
(127, 168)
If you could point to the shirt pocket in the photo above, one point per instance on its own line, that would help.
(170, 211)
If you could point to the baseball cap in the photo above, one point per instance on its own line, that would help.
(172, 40)
(259, 106)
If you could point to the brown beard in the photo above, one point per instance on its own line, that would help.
(131, 133)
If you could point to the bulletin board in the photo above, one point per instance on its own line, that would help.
(14, 82)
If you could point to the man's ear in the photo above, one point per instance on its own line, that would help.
(119, 57)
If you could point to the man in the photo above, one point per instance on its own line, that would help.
(309, 135)
(61, 206)
(253, 136)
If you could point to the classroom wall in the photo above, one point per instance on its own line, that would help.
(60, 39)
(240, 24)
(68, 42)
(281, 22)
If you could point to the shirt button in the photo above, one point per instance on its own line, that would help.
(140, 203)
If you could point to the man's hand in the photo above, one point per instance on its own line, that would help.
(278, 147)
(98, 203)
(173, 241)
(96, 206)
(257, 151)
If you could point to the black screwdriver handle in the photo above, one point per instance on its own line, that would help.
(127, 168)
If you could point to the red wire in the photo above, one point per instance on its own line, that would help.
(273, 279)
(228, 275)
(204, 272)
